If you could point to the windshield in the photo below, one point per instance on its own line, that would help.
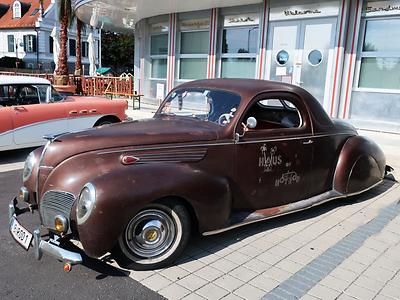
(55, 96)
(209, 105)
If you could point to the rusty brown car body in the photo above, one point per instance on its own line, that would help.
(274, 152)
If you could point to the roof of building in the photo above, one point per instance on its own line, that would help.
(30, 12)
(8, 79)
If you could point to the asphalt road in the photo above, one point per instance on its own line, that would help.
(21, 276)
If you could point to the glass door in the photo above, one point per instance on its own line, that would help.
(302, 54)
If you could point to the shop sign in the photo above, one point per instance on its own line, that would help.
(316, 10)
(195, 24)
(159, 27)
(382, 8)
(242, 20)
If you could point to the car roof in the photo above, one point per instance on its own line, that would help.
(9, 79)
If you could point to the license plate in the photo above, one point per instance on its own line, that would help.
(20, 234)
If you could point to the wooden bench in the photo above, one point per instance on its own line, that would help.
(136, 98)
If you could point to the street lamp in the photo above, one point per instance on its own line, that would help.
(18, 42)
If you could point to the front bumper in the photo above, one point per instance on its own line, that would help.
(40, 246)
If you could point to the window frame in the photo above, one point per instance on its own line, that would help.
(17, 10)
(8, 43)
(372, 54)
(157, 56)
(69, 47)
(180, 56)
(222, 56)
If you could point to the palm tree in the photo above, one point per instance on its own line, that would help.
(78, 62)
(65, 17)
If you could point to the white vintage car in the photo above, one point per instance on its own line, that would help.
(31, 108)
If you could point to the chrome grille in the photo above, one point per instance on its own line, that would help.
(55, 203)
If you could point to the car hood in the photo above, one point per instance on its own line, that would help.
(154, 131)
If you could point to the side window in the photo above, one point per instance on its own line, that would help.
(28, 95)
(274, 114)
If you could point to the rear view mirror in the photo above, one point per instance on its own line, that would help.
(251, 123)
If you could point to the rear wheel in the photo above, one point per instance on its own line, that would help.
(154, 237)
(106, 121)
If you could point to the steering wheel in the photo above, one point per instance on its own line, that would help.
(224, 117)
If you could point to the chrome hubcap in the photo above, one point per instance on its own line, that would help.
(150, 233)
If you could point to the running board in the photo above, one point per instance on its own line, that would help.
(243, 218)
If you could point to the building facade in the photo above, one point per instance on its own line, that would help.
(25, 33)
(345, 52)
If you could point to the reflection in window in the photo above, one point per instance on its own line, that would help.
(159, 68)
(240, 40)
(380, 72)
(238, 67)
(315, 57)
(379, 33)
(380, 56)
(193, 68)
(282, 57)
(193, 55)
(159, 44)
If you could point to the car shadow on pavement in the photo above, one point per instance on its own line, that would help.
(101, 266)
(14, 156)
(202, 246)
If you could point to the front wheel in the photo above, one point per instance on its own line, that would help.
(154, 237)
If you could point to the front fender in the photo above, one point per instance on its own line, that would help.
(361, 164)
(124, 192)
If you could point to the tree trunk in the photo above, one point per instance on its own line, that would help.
(62, 70)
(78, 63)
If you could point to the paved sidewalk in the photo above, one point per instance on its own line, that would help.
(346, 249)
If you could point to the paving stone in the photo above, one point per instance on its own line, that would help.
(243, 274)
(192, 282)
(265, 283)
(354, 266)
(209, 273)
(345, 297)
(156, 282)
(289, 266)
(174, 273)
(391, 291)
(238, 258)
(383, 297)
(174, 291)
(359, 292)
(250, 251)
(228, 282)
(257, 266)
(369, 283)
(249, 292)
(344, 274)
(324, 292)
(212, 292)
(334, 283)
(277, 274)
(191, 265)
(193, 296)
(379, 273)
(224, 265)
(140, 275)
(232, 297)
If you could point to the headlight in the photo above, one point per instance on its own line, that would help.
(29, 164)
(86, 201)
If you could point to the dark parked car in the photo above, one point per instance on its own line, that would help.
(216, 155)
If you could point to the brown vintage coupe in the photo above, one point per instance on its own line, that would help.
(217, 154)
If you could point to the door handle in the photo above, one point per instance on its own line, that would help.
(19, 108)
(83, 111)
(73, 112)
(93, 111)
(309, 142)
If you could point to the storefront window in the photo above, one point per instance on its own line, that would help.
(159, 68)
(238, 67)
(159, 50)
(159, 44)
(193, 49)
(380, 56)
(239, 46)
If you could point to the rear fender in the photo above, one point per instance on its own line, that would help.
(361, 164)
(118, 200)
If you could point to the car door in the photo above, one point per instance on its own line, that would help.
(274, 159)
(33, 118)
(6, 127)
